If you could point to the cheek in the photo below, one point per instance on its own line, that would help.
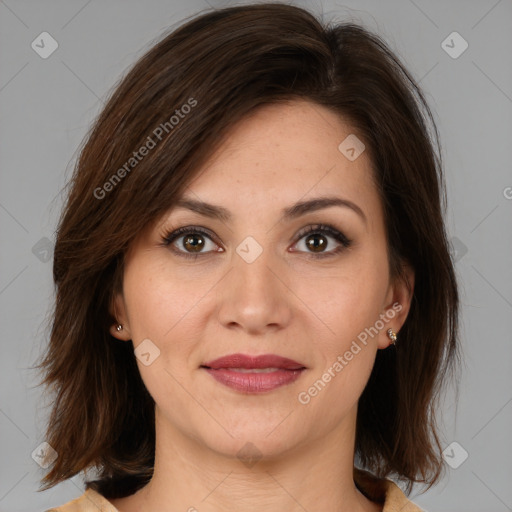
(162, 307)
(166, 304)
(350, 304)
(157, 301)
(347, 299)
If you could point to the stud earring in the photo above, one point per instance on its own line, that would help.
(392, 336)
(119, 327)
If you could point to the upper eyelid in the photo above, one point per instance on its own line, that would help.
(184, 230)
(192, 228)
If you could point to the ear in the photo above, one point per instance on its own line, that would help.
(118, 312)
(397, 304)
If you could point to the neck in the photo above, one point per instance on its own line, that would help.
(192, 477)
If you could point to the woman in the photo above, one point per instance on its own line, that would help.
(254, 286)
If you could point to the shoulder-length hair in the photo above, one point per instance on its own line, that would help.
(177, 102)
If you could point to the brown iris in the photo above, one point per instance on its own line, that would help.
(193, 243)
(316, 243)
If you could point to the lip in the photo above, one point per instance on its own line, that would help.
(254, 362)
(234, 371)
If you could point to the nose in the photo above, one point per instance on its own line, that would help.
(254, 297)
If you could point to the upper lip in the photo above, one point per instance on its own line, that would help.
(256, 362)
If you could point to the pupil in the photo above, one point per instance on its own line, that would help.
(195, 246)
(310, 242)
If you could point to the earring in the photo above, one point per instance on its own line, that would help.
(119, 327)
(392, 336)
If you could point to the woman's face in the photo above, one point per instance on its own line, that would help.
(265, 277)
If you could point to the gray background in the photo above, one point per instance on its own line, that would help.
(47, 105)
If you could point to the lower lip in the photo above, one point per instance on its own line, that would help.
(254, 382)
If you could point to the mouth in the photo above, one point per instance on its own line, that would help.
(254, 374)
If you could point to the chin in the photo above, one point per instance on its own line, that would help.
(250, 437)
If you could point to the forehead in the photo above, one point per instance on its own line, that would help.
(282, 153)
(286, 150)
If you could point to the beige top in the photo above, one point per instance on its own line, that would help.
(379, 490)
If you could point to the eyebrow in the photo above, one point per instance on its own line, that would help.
(292, 212)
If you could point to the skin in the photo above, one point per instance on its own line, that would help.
(285, 302)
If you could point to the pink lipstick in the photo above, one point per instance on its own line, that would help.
(254, 374)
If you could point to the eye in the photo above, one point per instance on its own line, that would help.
(194, 241)
(189, 241)
(315, 240)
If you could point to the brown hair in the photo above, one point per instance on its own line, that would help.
(223, 64)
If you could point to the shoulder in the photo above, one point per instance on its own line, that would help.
(90, 501)
(384, 491)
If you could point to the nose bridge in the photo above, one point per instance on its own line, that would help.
(252, 296)
(251, 265)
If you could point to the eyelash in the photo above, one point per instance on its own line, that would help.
(327, 229)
